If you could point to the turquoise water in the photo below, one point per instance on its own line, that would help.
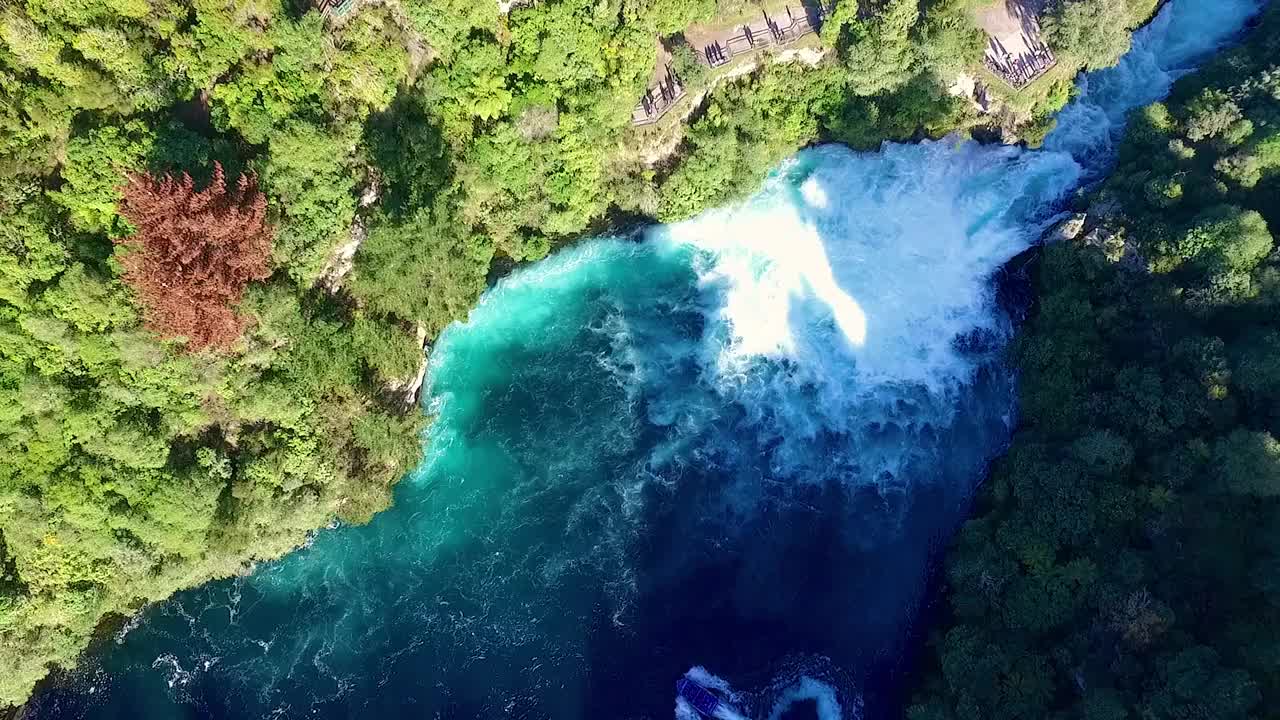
(730, 448)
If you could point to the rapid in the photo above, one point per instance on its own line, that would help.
(731, 448)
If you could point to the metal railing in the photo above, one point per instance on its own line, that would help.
(334, 8)
(1022, 69)
(774, 31)
(658, 100)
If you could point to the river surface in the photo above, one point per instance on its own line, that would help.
(733, 450)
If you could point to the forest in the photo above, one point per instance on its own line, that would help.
(1123, 561)
(230, 227)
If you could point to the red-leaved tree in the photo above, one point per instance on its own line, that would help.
(194, 253)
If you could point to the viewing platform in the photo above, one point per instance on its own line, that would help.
(781, 27)
(1015, 53)
(658, 99)
(716, 48)
(333, 8)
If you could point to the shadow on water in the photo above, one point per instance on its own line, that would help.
(606, 514)
(833, 564)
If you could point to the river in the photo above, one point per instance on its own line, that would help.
(732, 449)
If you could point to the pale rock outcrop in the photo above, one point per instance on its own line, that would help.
(1068, 229)
(408, 388)
(1115, 247)
(342, 259)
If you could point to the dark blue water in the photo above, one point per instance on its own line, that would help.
(733, 447)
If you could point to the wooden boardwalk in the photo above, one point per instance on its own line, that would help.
(1015, 53)
(657, 100)
(333, 8)
(1021, 69)
(789, 25)
(781, 28)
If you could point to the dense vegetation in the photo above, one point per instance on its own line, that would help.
(194, 369)
(1093, 32)
(1124, 560)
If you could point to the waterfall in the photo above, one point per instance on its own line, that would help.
(734, 445)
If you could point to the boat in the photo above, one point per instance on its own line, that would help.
(702, 699)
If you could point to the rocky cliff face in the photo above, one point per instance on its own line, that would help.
(342, 259)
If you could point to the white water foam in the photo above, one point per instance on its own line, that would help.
(897, 248)
(808, 689)
(699, 674)
(893, 249)
(771, 702)
(1169, 47)
(848, 284)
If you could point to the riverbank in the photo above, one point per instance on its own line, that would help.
(260, 472)
(1078, 585)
